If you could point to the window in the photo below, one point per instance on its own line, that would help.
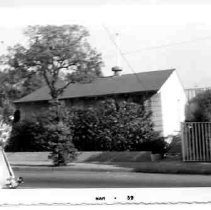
(17, 116)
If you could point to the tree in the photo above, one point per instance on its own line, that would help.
(199, 108)
(14, 85)
(56, 53)
(60, 55)
(57, 50)
(16, 79)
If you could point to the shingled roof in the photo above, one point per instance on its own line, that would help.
(128, 83)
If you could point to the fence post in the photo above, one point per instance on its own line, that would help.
(183, 141)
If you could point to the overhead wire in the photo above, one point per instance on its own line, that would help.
(121, 53)
(164, 46)
(167, 45)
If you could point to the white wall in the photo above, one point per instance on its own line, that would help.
(156, 108)
(173, 100)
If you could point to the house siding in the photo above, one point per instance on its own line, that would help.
(31, 110)
(155, 103)
(173, 100)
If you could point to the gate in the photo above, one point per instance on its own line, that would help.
(196, 141)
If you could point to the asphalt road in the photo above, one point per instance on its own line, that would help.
(74, 179)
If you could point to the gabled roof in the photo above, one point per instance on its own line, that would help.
(128, 83)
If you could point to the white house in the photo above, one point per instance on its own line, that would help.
(169, 105)
(161, 89)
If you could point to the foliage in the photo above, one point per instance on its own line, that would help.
(108, 126)
(6, 111)
(58, 56)
(84, 124)
(44, 133)
(27, 136)
(53, 52)
(60, 144)
(156, 146)
(17, 82)
(5, 130)
(113, 126)
(59, 135)
(199, 108)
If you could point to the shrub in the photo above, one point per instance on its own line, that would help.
(112, 126)
(83, 123)
(156, 145)
(27, 136)
(61, 147)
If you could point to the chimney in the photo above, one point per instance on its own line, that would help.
(116, 70)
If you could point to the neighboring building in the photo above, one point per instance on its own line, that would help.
(161, 90)
(192, 92)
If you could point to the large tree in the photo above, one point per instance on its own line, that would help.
(59, 55)
(55, 52)
(59, 51)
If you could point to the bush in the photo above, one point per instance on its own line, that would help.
(83, 123)
(199, 108)
(156, 146)
(112, 126)
(61, 147)
(27, 136)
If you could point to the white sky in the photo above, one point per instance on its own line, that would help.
(153, 35)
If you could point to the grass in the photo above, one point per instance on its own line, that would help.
(169, 165)
(175, 167)
(30, 157)
(120, 157)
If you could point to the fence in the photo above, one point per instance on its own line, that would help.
(196, 141)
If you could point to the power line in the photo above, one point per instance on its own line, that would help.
(165, 45)
(117, 47)
(168, 45)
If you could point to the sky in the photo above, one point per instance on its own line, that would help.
(152, 34)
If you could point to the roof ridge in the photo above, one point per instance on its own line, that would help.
(172, 69)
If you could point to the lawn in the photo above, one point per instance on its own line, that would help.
(169, 165)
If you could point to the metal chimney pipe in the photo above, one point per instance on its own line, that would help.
(116, 70)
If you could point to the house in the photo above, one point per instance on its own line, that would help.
(161, 90)
(193, 92)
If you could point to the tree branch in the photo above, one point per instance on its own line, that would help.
(61, 90)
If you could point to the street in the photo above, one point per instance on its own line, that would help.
(83, 179)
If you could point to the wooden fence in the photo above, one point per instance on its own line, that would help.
(196, 141)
